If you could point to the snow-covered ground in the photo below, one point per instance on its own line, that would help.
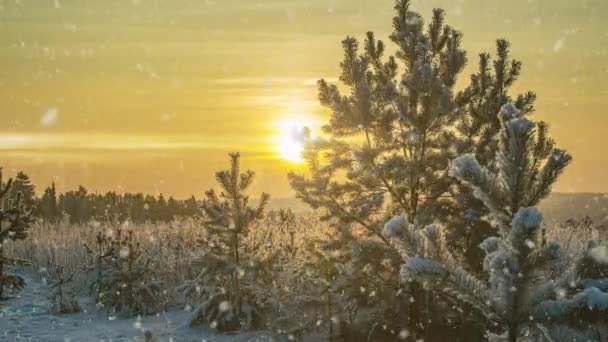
(25, 317)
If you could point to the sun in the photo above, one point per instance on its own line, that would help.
(291, 140)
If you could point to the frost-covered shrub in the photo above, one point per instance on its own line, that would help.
(295, 299)
(124, 281)
(574, 237)
(100, 251)
(63, 298)
(168, 246)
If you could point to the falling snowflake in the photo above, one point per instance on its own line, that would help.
(559, 44)
(50, 117)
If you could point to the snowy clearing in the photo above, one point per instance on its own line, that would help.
(25, 317)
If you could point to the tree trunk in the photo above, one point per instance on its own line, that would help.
(513, 332)
(413, 312)
(329, 315)
(237, 285)
(1, 271)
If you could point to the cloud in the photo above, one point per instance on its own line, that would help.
(106, 142)
(272, 80)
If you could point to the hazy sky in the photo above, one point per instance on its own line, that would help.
(149, 95)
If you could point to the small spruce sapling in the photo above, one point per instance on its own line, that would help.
(60, 279)
(104, 248)
(227, 274)
(125, 282)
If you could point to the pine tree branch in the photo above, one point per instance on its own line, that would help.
(358, 220)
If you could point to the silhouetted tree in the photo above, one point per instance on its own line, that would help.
(22, 184)
(48, 207)
(81, 206)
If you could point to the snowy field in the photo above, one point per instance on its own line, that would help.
(25, 317)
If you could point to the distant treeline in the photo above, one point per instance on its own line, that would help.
(79, 206)
(560, 207)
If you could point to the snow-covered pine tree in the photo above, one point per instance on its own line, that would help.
(391, 140)
(478, 131)
(222, 288)
(102, 249)
(517, 299)
(129, 284)
(15, 219)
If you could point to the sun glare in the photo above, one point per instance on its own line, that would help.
(291, 140)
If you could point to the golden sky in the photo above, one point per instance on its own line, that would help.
(149, 95)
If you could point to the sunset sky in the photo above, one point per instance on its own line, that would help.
(150, 95)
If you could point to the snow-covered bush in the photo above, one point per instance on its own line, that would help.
(515, 299)
(296, 301)
(100, 251)
(227, 275)
(125, 282)
(63, 297)
(15, 219)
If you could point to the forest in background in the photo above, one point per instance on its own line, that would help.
(81, 205)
